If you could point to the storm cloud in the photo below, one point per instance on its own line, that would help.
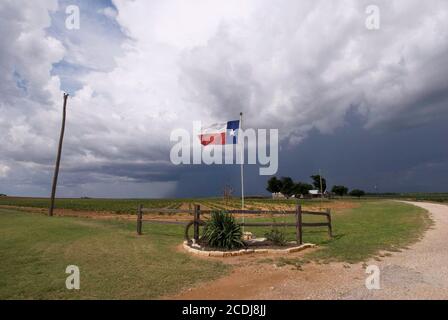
(368, 107)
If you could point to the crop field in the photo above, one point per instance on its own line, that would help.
(110, 205)
(129, 206)
(433, 197)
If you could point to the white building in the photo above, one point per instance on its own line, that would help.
(278, 195)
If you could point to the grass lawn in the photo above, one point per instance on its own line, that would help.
(361, 232)
(378, 225)
(114, 263)
(117, 264)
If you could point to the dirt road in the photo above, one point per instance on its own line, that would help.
(421, 272)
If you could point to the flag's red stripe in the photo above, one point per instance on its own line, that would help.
(213, 138)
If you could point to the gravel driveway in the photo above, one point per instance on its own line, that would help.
(418, 273)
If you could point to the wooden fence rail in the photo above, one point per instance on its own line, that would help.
(197, 222)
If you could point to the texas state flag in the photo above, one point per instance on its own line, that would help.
(220, 133)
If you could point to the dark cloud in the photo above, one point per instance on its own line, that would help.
(411, 160)
(366, 107)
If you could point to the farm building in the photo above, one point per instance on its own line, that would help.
(278, 195)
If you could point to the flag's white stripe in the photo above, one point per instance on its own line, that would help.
(215, 128)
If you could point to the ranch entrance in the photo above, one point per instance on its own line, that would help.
(246, 218)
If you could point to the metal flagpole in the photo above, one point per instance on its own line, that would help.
(242, 166)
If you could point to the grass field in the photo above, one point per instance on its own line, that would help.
(361, 232)
(115, 263)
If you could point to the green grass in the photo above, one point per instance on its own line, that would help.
(360, 233)
(117, 264)
(114, 262)
(375, 226)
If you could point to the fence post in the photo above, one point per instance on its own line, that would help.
(299, 224)
(197, 216)
(139, 219)
(330, 229)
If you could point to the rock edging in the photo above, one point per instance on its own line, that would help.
(223, 254)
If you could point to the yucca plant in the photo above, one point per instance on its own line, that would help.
(222, 231)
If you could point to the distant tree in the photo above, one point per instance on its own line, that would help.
(287, 186)
(301, 188)
(340, 190)
(3, 195)
(274, 185)
(357, 193)
(316, 182)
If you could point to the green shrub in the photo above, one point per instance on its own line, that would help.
(221, 231)
(276, 237)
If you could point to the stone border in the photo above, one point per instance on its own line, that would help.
(223, 254)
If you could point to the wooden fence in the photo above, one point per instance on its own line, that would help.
(197, 222)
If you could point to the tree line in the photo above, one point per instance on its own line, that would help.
(289, 188)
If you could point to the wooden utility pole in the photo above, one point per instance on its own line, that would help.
(58, 158)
